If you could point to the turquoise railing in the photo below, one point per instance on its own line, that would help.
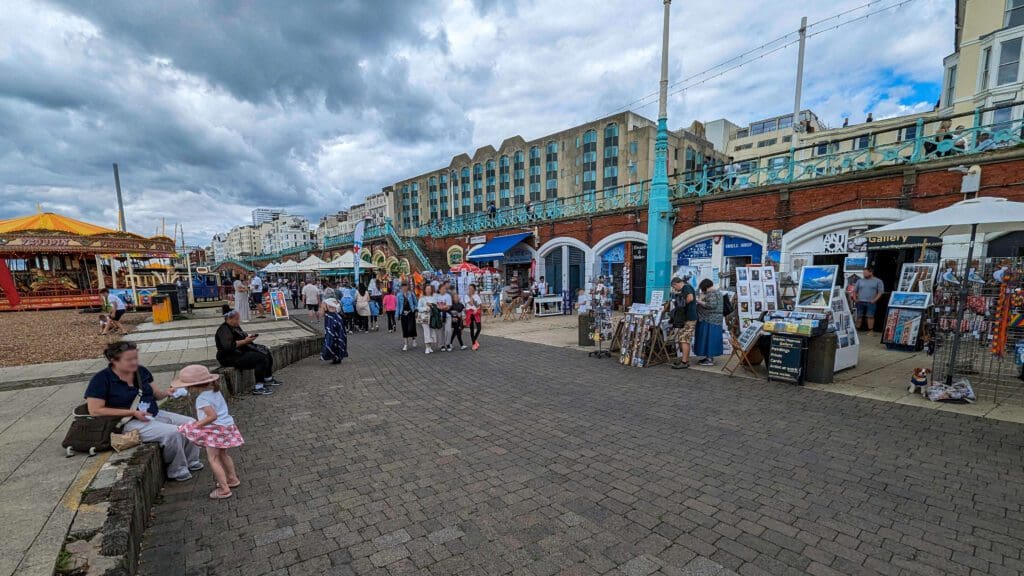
(279, 255)
(800, 165)
(376, 231)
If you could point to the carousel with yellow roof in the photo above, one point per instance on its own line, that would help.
(59, 262)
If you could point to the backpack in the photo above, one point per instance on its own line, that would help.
(727, 308)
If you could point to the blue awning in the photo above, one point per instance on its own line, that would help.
(497, 247)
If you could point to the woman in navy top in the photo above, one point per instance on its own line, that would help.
(113, 390)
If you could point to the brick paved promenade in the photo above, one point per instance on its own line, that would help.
(535, 460)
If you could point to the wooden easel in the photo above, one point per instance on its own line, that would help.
(657, 353)
(615, 344)
(740, 356)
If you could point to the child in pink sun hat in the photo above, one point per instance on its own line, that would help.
(215, 428)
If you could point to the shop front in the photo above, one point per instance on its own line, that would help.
(716, 256)
(565, 269)
(844, 240)
(511, 253)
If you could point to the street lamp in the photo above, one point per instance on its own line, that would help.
(660, 215)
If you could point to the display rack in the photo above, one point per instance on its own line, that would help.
(641, 340)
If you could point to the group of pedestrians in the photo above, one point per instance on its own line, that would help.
(696, 320)
(432, 312)
(440, 316)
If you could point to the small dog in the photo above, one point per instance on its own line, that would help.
(919, 380)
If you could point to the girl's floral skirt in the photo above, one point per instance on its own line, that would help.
(212, 435)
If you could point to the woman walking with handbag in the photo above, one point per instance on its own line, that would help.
(424, 310)
(125, 389)
(474, 316)
(406, 307)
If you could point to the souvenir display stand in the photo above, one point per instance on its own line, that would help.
(817, 292)
(991, 350)
(906, 316)
(757, 291)
(641, 339)
(599, 306)
(790, 333)
(847, 340)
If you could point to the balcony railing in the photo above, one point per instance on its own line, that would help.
(819, 160)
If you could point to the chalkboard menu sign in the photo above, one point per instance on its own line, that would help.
(786, 359)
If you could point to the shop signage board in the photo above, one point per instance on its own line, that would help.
(696, 251)
(786, 359)
(478, 239)
(893, 242)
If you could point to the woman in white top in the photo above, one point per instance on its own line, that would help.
(474, 316)
(241, 299)
(427, 300)
(443, 300)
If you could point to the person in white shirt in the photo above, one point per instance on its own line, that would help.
(426, 301)
(542, 287)
(474, 316)
(311, 298)
(117, 310)
(443, 300)
(256, 294)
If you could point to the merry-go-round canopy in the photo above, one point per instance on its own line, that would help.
(46, 232)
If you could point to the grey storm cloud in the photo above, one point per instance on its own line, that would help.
(231, 100)
(213, 108)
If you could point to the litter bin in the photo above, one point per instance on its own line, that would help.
(172, 292)
(162, 309)
(821, 358)
(586, 330)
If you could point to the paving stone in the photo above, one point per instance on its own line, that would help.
(554, 463)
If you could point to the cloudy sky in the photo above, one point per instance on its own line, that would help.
(213, 108)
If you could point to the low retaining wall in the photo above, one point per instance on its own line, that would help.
(106, 534)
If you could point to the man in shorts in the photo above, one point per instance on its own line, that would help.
(117, 310)
(683, 313)
(311, 298)
(869, 291)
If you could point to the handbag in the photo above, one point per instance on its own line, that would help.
(436, 318)
(95, 434)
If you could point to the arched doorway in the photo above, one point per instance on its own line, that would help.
(622, 259)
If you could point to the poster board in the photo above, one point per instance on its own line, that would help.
(749, 336)
(847, 340)
(786, 359)
(757, 291)
(917, 277)
(279, 304)
(902, 327)
(814, 289)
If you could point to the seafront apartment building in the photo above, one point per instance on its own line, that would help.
(611, 155)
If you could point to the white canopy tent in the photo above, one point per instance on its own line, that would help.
(986, 215)
(311, 264)
(287, 266)
(346, 261)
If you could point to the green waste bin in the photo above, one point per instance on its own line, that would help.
(821, 358)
